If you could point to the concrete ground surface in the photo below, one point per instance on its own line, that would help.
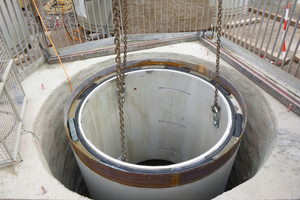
(277, 176)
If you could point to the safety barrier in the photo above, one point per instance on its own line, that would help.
(266, 29)
(256, 25)
(12, 100)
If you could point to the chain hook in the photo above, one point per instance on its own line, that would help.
(216, 108)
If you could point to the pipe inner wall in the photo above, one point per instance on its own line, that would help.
(168, 117)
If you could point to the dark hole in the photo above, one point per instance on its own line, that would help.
(155, 162)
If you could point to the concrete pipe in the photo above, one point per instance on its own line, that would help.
(173, 149)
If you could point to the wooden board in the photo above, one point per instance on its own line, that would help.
(292, 23)
(297, 58)
(21, 58)
(236, 24)
(237, 40)
(22, 4)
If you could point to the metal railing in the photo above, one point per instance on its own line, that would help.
(12, 100)
(260, 30)
(20, 32)
(256, 25)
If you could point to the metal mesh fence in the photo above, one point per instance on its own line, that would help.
(263, 27)
(11, 107)
(15, 90)
(4, 57)
(9, 124)
(4, 157)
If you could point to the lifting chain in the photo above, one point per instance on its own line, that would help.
(119, 70)
(216, 108)
(125, 39)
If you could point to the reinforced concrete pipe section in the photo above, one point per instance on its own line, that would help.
(168, 125)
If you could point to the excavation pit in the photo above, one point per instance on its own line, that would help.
(168, 118)
(253, 151)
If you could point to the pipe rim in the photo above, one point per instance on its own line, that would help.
(191, 163)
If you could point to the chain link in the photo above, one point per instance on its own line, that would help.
(125, 39)
(219, 23)
(120, 73)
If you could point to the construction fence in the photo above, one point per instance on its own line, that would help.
(269, 29)
(264, 27)
(12, 100)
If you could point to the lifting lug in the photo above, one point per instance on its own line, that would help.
(216, 115)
